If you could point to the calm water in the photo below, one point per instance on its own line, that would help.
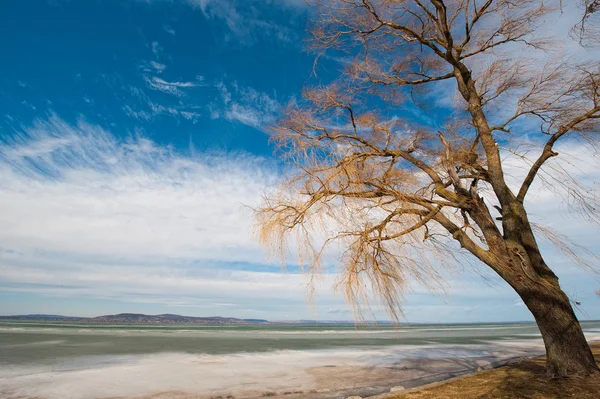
(22, 343)
(73, 361)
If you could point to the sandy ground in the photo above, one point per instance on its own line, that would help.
(523, 380)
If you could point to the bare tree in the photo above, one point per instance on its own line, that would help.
(396, 192)
(587, 29)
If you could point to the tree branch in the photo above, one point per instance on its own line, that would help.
(463, 238)
(548, 153)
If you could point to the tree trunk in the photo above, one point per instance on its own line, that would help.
(567, 350)
(520, 263)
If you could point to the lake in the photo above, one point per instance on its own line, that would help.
(91, 361)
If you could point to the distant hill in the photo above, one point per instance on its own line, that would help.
(137, 318)
(42, 317)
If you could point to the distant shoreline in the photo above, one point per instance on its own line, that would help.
(174, 319)
(134, 318)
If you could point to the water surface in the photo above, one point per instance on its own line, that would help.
(91, 361)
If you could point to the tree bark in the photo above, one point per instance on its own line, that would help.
(568, 352)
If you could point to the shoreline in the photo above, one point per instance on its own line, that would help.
(594, 344)
(376, 372)
(378, 381)
(330, 374)
(416, 385)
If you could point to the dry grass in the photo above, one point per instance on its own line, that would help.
(523, 380)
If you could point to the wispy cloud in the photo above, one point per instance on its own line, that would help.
(158, 67)
(156, 195)
(144, 108)
(173, 88)
(169, 30)
(247, 19)
(86, 215)
(245, 105)
(157, 49)
(140, 105)
(150, 69)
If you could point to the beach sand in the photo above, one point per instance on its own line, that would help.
(523, 380)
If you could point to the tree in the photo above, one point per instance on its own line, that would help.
(396, 191)
(591, 10)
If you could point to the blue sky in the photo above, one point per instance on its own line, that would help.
(133, 142)
(165, 67)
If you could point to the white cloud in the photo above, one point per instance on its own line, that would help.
(145, 108)
(344, 311)
(157, 49)
(173, 88)
(76, 188)
(85, 214)
(158, 66)
(169, 30)
(245, 105)
(88, 216)
(550, 199)
(149, 70)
